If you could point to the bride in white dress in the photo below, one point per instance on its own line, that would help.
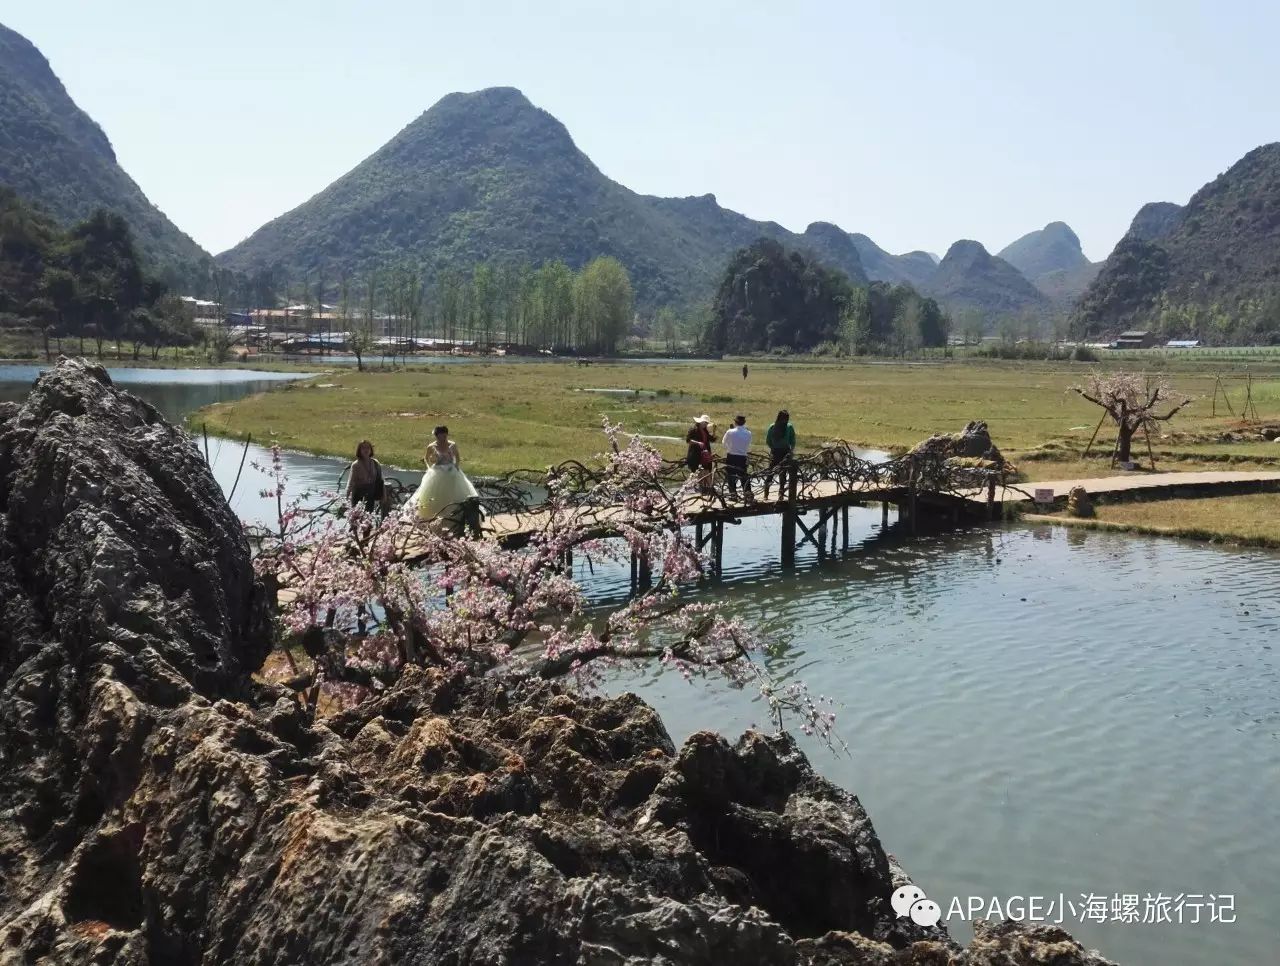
(444, 487)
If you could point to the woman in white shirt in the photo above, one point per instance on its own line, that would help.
(737, 445)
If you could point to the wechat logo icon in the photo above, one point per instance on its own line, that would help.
(911, 901)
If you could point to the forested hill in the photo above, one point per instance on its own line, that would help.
(1052, 260)
(54, 154)
(771, 299)
(486, 176)
(1210, 270)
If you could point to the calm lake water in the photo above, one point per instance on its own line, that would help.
(1031, 711)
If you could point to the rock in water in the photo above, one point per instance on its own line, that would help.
(159, 806)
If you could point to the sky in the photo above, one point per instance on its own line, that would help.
(917, 124)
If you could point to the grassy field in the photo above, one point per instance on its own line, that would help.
(1250, 519)
(511, 415)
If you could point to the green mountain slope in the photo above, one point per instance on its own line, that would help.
(487, 176)
(969, 277)
(1052, 260)
(52, 153)
(1211, 269)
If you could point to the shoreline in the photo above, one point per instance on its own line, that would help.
(1198, 534)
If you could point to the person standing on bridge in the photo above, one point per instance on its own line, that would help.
(364, 483)
(698, 457)
(445, 493)
(781, 440)
(737, 446)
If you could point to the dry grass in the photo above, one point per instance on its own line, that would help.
(512, 415)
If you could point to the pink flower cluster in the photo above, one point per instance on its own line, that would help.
(400, 590)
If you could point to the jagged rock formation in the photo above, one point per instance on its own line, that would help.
(160, 806)
(53, 153)
(974, 441)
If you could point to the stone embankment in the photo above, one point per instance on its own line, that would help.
(160, 806)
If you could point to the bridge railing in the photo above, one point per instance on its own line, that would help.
(594, 494)
(835, 469)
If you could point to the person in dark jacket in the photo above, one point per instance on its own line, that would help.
(364, 483)
(781, 440)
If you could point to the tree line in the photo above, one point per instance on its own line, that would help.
(771, 299)
(83, 282)
(549, 306)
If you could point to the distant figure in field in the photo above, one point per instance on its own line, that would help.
(737, 444)
(781, 440)
(365, 484)
(445, 490)
(744, 370)
(698, 457)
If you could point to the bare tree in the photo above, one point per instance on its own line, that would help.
(1131, 400)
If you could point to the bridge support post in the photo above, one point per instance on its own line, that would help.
(717, 546)
(991, 497)
(644, 575)
(844, 523)
(884, 514)
(911, 498)
(789, 524)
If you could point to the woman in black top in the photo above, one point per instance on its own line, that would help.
(365, 484)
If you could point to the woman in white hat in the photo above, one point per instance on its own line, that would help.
(698, 457)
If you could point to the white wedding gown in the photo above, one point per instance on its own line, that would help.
(443, 490)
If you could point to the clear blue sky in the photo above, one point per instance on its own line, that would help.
(917, 123)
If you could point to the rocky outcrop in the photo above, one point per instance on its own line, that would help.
(1078, 502)
(972, 442)
(160, 806)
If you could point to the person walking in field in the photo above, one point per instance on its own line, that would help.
(744, 370)
(737, 447)
(781, 440)
(698, 457)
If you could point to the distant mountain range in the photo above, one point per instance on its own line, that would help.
(1209, 268)
(487, 176)
(55, 155)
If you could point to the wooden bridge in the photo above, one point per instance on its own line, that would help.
(811, 495)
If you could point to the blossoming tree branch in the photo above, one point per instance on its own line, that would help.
(366, 597)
